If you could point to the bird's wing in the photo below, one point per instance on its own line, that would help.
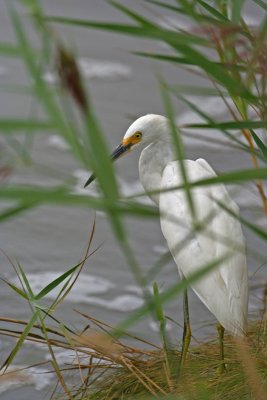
(176, 217)
(225, 224)
(192, 250)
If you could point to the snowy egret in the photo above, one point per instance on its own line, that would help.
(224, 291)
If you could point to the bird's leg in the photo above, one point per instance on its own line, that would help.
(187, 330)
(221, 330)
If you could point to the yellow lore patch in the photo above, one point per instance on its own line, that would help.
(134, 139)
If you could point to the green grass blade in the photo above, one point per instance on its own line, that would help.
(63, 195)
(233, 177)
(254, 228)
(213, 11)
(8, 125)
(132, 14)
(20, 342)
(104, 171)
(14, 211)
(9, 50)
(162, 325)
(206, 117)
(261, 3)
(237, 6)
(26, 282)
(158, 305)
(169, 294)
(182, 43)
(43, 91)
(178, 146)
(147, 32)
(52, 285)
(260, 144)
(231, 125)
(185, 61)
(166, 6)
(16, 289)
(245, 175)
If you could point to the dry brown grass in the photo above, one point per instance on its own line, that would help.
(137, 374)
(106, 368)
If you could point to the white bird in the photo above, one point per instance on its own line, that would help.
(224, 290)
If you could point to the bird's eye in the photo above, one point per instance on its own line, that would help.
(138, 135)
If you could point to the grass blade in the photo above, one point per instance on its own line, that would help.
(25, 280)
(237, 6)
(16, 289)
(260, 144)
(8, 125)
(9, 50)
(178, 146)
(56, 282)
(231, 125)
(261, 3)
(213, 11)
(173, 291)
(43, 92)
(182, 43)
(20, 341)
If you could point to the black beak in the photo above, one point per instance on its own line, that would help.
(118, 152)
(90, 180)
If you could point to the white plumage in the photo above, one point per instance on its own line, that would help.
(224, 291)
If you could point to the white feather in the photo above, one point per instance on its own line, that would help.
(224, 290)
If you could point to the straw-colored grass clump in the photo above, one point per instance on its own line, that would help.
(148, 374)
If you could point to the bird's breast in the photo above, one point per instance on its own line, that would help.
(152, 162)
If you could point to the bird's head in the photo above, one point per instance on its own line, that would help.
(144, 130)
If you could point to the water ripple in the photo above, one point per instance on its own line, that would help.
(86, 286)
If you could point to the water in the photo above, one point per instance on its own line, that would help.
(49, 240)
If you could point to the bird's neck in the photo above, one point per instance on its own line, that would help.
(152, 162)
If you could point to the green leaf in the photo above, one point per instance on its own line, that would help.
(184, 60)
(167, 6)
(146, 32)
(206, 117)
(233, 177)
(158, 305)
(52, 285)
(16, 125)
(178, 145)
(173, 291)
(231, 125)
(104, 171)
(43, 91)
(260, 144)
(213, 11)
(227, 178)
(182, 43)
(261, 3)
(26, 282)
(16, 289)
(62, 195)
(254, 228)
(20, 341)
(237, 6)
(14, 211)
(132, 14)
(7, 49)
